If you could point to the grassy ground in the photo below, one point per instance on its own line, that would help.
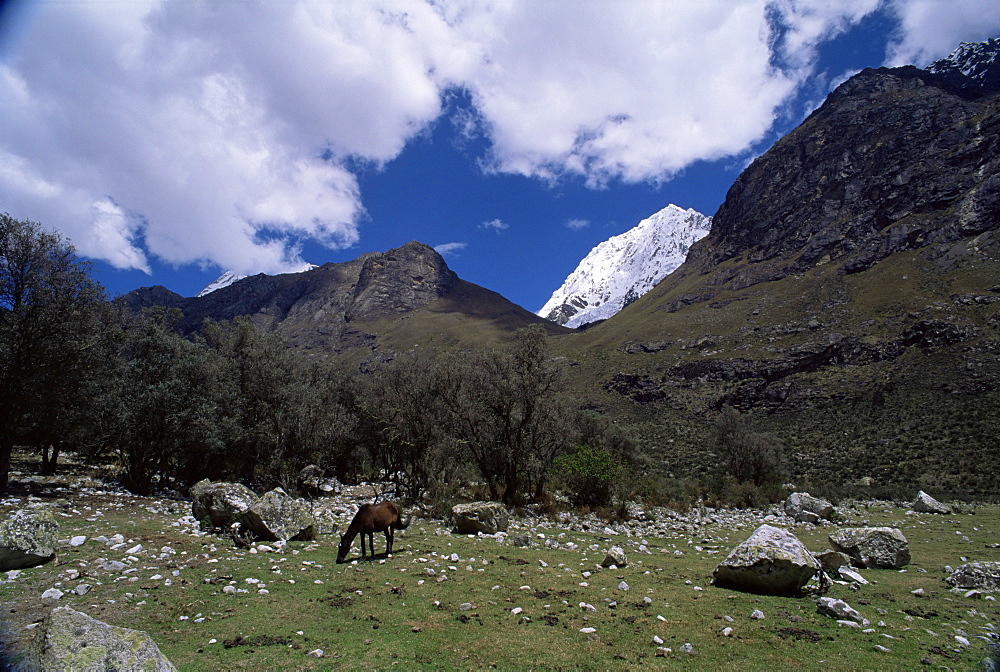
(445, 601)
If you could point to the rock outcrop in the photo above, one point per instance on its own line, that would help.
(71, 640)
(220, 503)
(27, 538)
(277, 516)
(484, 517)
(874, 547)
(983, 576)
(772, 561)
(924, 503)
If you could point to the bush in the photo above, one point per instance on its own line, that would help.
(590, 475)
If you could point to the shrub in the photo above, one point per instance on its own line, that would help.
(590, 475)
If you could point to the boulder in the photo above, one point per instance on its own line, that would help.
(27, 538)
(277, 516)
(220, 503)
(71, 640)
(831, 561)
(616, 557)
(924, 503)
(805, 508)
(485, 517)
(842, 611)
(983, 576)
(873, 547)
(772, 561)
(311, 482)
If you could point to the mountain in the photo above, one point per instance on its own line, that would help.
(626, 266)
(224, 280)
(977, 62)
(847, 296)
(389, 301)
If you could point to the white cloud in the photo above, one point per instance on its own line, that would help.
(497, 225)
(446, 249)
(931, 29)
(577, 224)
(217, 132)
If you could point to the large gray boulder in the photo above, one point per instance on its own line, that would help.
(27, 538)
(277, 516)
(924, 503)
(71, 640)
(485, 517)
(772, 561)
(984, 576)
(874, 547)
(220, 503)
(805, 508)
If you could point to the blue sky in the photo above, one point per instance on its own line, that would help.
(172, 141)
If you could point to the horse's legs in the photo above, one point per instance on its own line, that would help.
(388, 541)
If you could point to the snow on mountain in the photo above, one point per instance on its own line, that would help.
(626, 266)
(976, 60)
(229, 277)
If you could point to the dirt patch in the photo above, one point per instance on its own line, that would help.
(800, 635)
(259, 640)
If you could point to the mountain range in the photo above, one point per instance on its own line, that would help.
(626, 266)
(846, 297)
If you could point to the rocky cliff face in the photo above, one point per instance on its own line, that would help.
(895, 159)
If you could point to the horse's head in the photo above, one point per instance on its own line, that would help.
(345, 547)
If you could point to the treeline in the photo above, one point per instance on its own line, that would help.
(78, 371)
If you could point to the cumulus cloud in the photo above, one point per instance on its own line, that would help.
(931, 29)
(577, 224)
(497, 225)
(220, 133)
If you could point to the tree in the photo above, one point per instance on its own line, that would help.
(747, 455)
(50, 326)
(508, 408)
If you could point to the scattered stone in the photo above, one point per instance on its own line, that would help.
(484, 517)
(805, 508)
(316, 653)
(311, 482)
(623, 586)
(924, 503)
(69, 639)
(77, 541)
(82, 589)
(686, 647)
(615, 556)
(757, 614)
(982, 576)
(879, 547)
(52, 594)
(220, 503)
(771, 561)
(832, 561)
(27, 538)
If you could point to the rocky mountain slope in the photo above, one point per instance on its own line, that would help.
(626, 266)
(357, 305)
(848, 292)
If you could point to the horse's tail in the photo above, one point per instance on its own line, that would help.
(403, 524)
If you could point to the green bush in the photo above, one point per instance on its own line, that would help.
(590, 475)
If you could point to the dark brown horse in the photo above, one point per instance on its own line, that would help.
(372, 518)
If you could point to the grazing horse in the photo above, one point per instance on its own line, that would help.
(372, 518)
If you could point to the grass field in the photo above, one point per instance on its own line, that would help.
(445, 601)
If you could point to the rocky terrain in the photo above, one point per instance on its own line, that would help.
(135, 561)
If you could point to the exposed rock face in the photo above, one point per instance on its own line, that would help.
(485, 517)
(399, 281)
(71, 640)
(895, 159)
(771, 562)
(277, 516)
(924, 503)
(27, 538)
(878, 547)
(983, 576)
(805, 508)
(220, 503)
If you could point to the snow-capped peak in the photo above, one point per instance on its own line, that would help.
(229, 277)
(626, 266)
(972, 59)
